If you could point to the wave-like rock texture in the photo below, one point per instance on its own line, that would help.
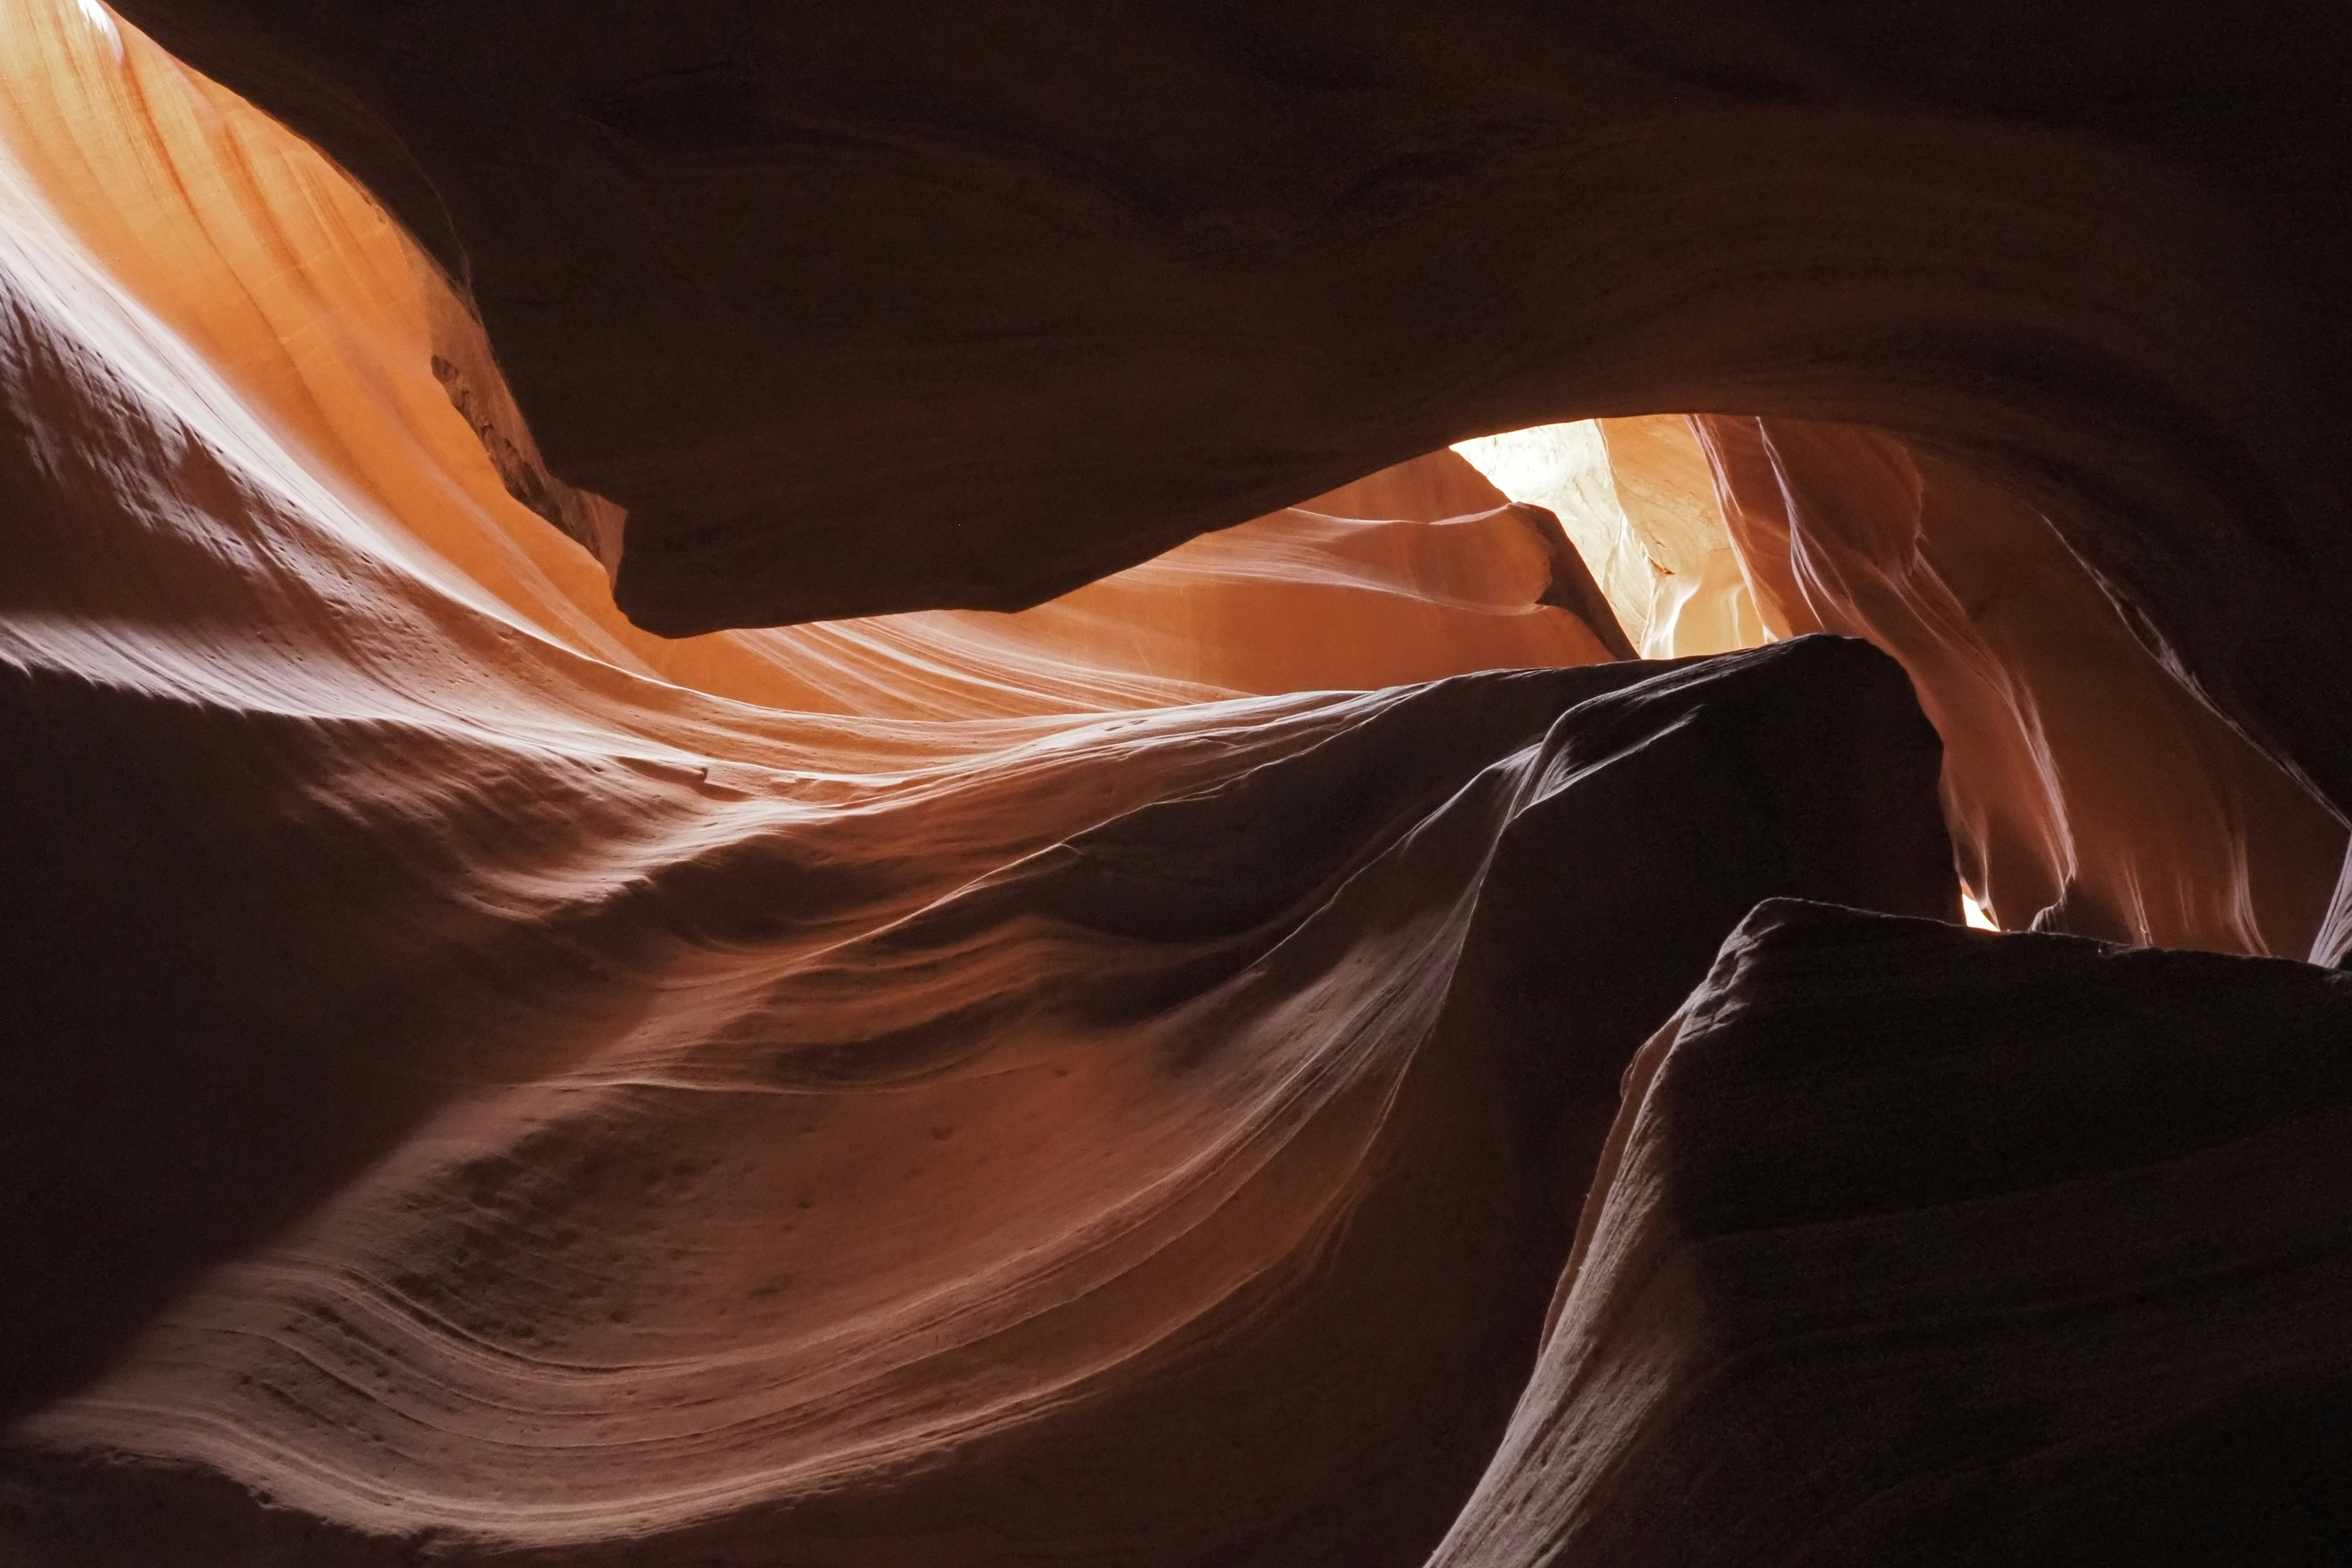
(2090, 787)
(550, 1108)
(1085, 288)
(1914, 1245)
(2087, 788)
(910, 1173)
(485, 1083)
(314, 313)
(473, 1094)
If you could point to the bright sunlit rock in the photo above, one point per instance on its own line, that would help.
(1636, 498)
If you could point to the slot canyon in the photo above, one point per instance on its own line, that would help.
(1175, 783)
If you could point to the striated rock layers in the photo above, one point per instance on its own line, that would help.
(154, 203)
(1120, 1082)
(1086, 280)
(1189, 1185)
(472, 1096)
(1913, 1244)
(1085, 283)
(2087, 789)
(469, 1096)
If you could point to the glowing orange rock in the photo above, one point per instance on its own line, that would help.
(486, 1080)
(2087, 790)
(480, 1093)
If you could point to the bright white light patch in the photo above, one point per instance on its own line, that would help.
(1639, 502)
(1974, 912)
(1564, 468)
(100, 18)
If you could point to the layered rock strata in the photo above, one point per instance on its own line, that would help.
(488, 1082)
(1085, 283)
(470, 1094)
(2088, 787)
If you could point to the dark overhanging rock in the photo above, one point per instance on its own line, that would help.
(1918, 1245)
(250, 947)
(909, 305)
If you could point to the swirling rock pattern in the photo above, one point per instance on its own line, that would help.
(2089, 790)
(1189, 1185)
(1120, 1082)
(473, 1096)
(630, 1116)
(1085, 283)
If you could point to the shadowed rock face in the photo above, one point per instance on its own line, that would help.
(1914, 1245)
(2089, 790)
(471, 1095)
(1153, 1141)
(1120, 1082)
(1083, 281)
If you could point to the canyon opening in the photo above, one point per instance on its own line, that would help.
(1173, 784)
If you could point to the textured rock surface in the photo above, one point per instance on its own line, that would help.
(251, 543)
(1189, 1184)
(469, 1094)
(1085, 281)
(1916, 1245)
(308, 306)
(2087, 789)
(486, 1082)
(558, 1108)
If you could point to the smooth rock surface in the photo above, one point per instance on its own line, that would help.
(2087, 788)
(1914, 1245)
(1086, 280)
(473, 1096)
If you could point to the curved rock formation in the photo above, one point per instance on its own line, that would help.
(1867, 1281)
(267, 599)
(2089, 790)
(1119, 1080)
(317, 314)
(1088, 285)
(619, 1113)
(1069, 1209)
(470, 1095)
